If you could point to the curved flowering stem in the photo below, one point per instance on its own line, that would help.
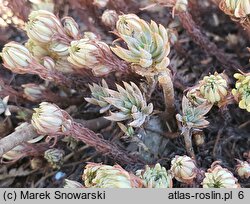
(50, 120)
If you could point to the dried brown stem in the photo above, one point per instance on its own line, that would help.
(101, 145)
(200, 39)
(23, 134)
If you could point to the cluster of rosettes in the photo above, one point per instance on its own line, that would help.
(155, 177)
(242, 90)
(237, 9)
(129, 102)
(183, 169)
(147, 44)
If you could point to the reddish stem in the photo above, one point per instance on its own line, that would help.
(103, 146)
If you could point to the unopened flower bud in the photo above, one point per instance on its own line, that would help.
(109, 18)
(42, 25)
(181, 5)
(33, 92)
(184, 169)
(50, 119)
(105, 176)
(54, 157)
(155, 177)
(100, 3)
(36, 163)
(218, 177)
(4, 106)
(72, 184)
(63, 65)
(48, 63)
(60, 48)
(243, 169)
(90, 36)
(16, 57)
(214, 87)
(71, 28)
(37, 50)
(88, 54)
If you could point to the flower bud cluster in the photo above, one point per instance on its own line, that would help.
(211, 89)
(242, 90)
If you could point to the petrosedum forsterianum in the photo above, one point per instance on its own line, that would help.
(242, 90)
(219, 177)
(105, 176)
(214, 87)
(129, 102)
(236, 8)
(184, 169)
(155, 177)
(147, 44)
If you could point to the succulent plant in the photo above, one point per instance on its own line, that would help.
(4, 106)
(72, 184)
(71, 28)
(54, 157)
(37, 50)
(90, 54)
(242, 90)
(155, 177)
(193, 116)
(236, 8)
(219, 177)
(213, 87)
(148, 44)
(129, 102)
(243, 169)
(33, 92)
(50, 119)
(42, 26)
(109, 18)
(16, 57)
(98, 95)
(184, 169)
(105, 176)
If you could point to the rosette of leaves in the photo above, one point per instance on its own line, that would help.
(148, 44)
(193, 116)
(155, 177)
(128, 103)
(98, 94)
